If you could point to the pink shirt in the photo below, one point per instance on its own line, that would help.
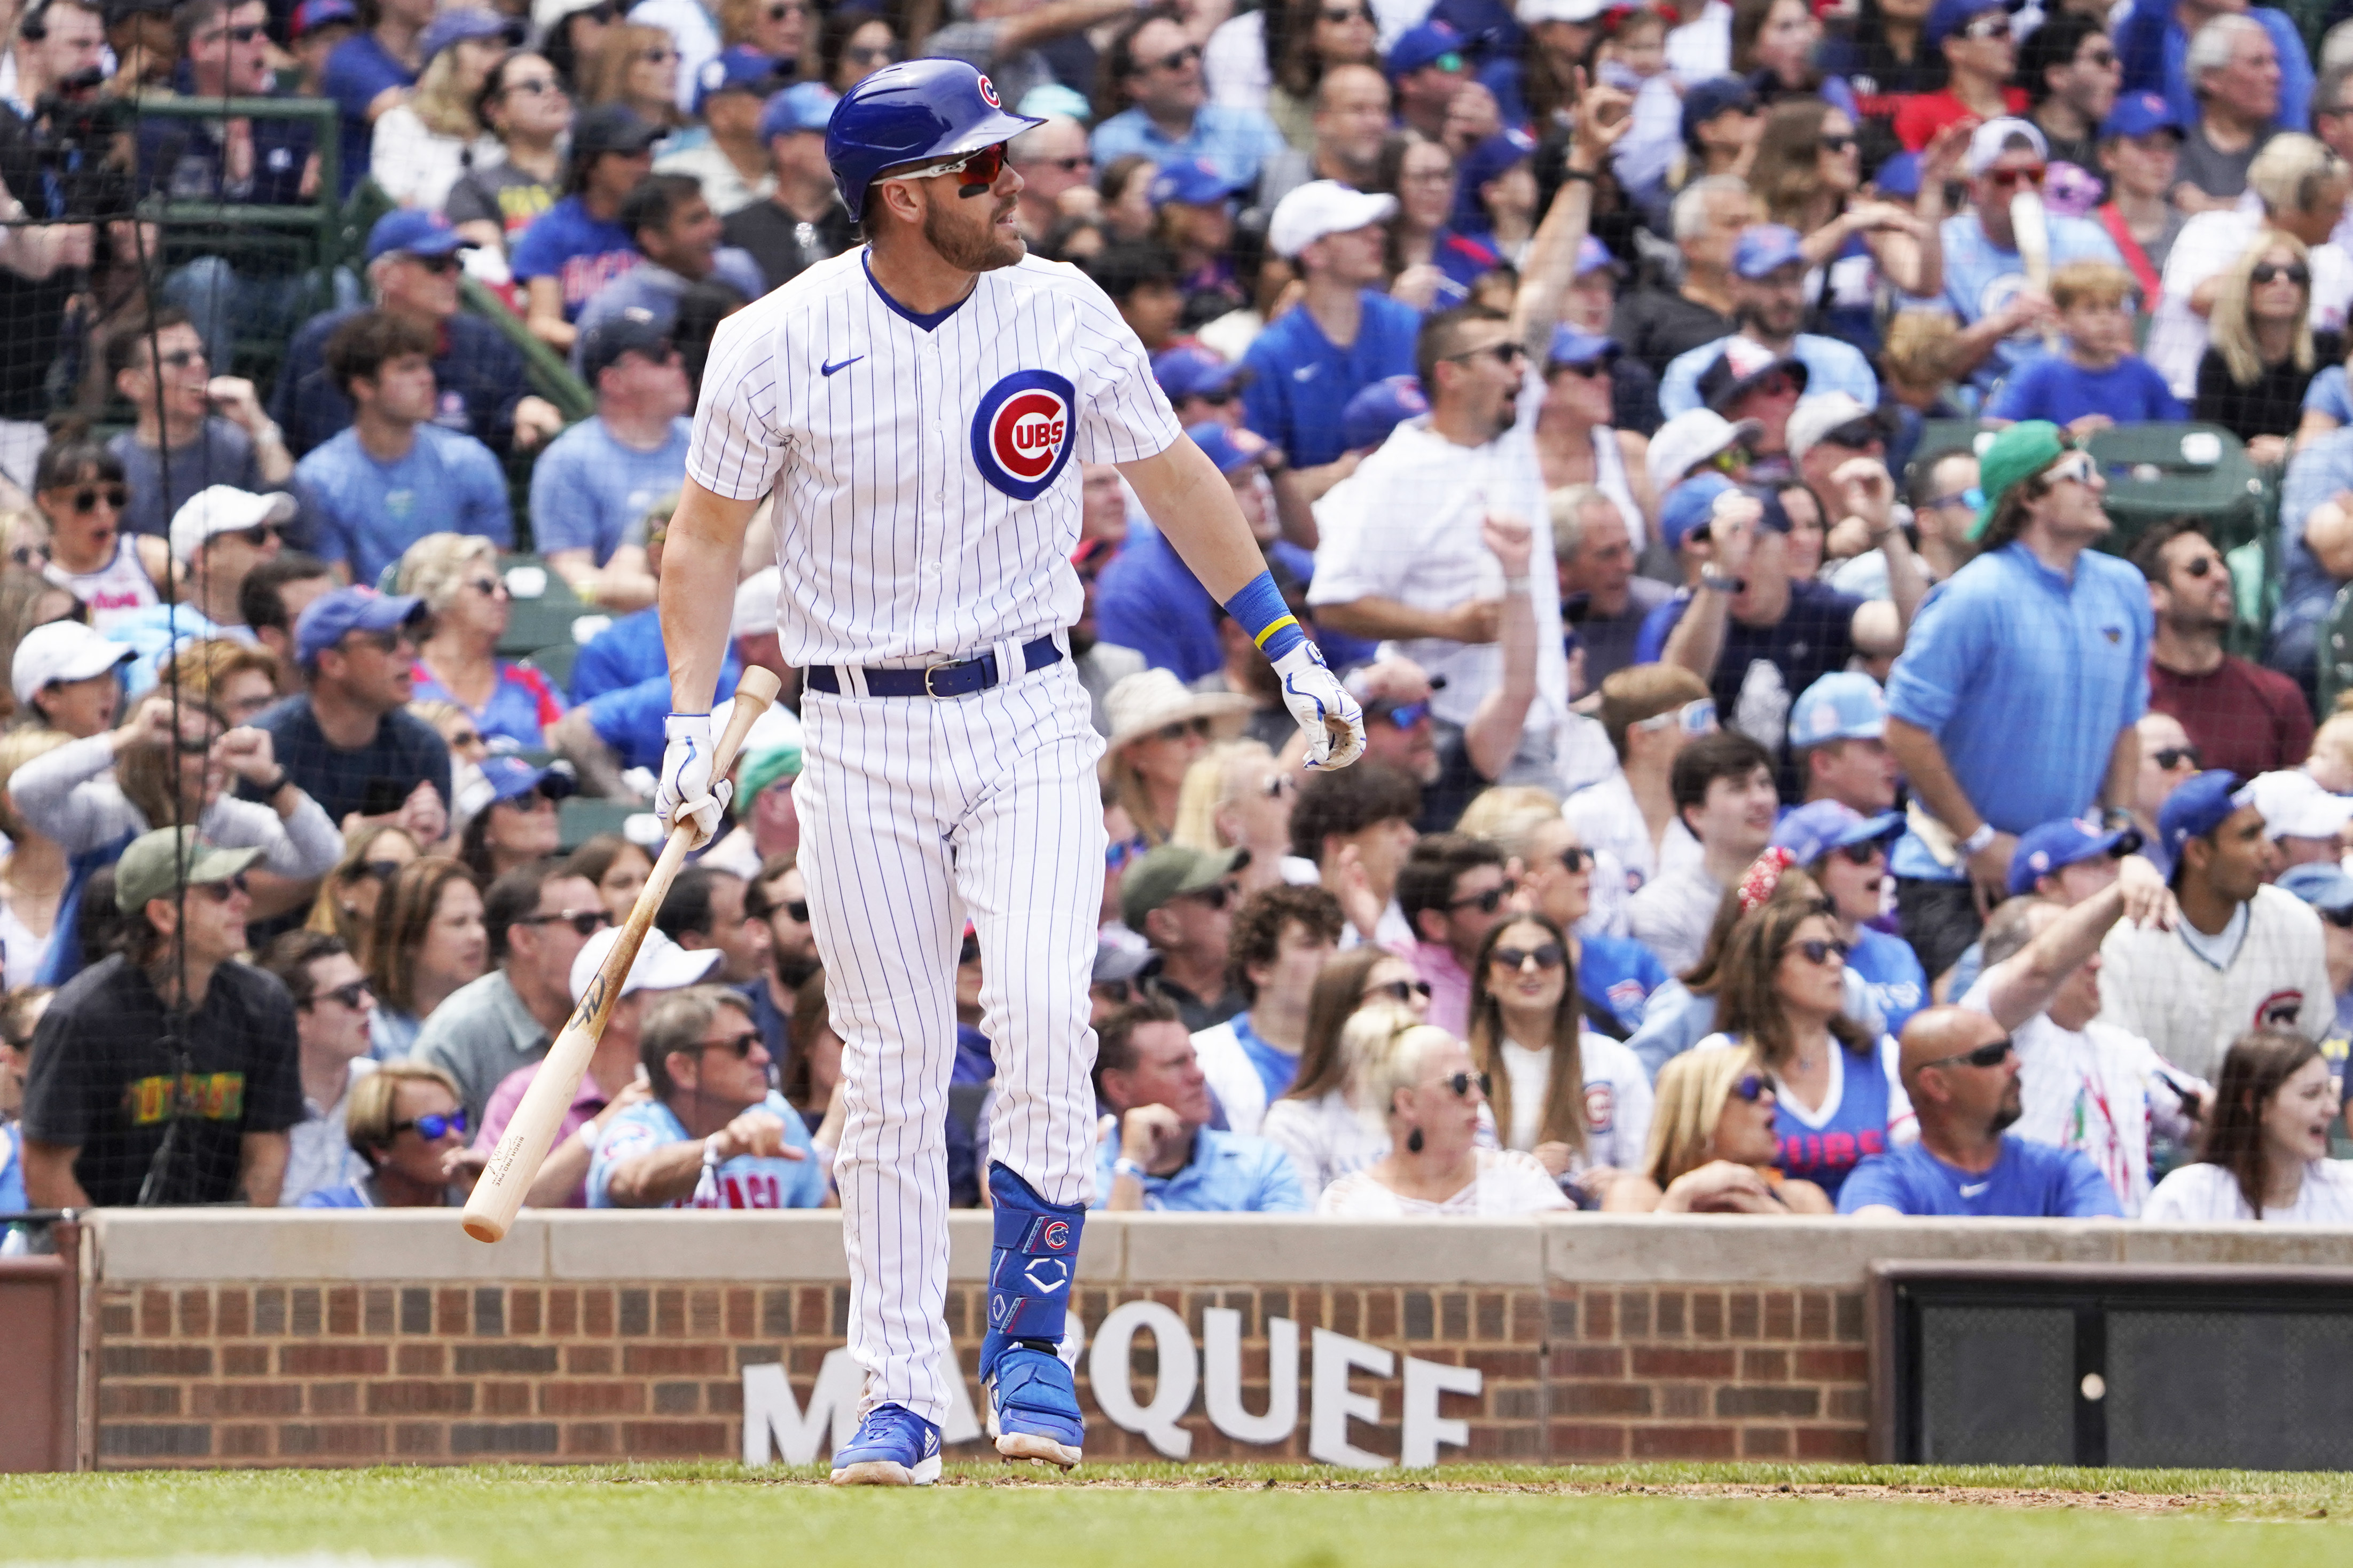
(587, 1102)
(1450, 987)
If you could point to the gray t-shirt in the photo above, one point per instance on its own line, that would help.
(222, 454)
(2212, 171)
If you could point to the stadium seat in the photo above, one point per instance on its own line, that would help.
(2157, 471)
(580, 819)
(554, 661)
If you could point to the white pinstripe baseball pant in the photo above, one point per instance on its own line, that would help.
(917, 815)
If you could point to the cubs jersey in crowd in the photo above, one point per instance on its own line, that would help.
(927, 492)
(746, 1181)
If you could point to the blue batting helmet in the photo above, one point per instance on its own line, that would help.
(914, 111)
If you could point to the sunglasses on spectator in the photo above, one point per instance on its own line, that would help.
(2295, 272)
(1576, 858)
(464, 740)
(2098, 59)
(2169, 758)
(32, 557)
(1751, 1088)
(1119, 992)
(778, 12)
(1591, 370)
(1548, 956)
(1992, 1054)
(352, 995)
(533, 85)
(439, 266)
(1774, 383)
(740, 1044)
(583, 922)
(1121, 851)
(1731, 460)
(871, 54)
(2203, 565)
(378, 870)
(116, 497)
(1506, 353)
(2078, 467)
(433, 1128)
(1182, 728)
(1176, 60)
(1864, 852)
(1489, 901)
(1274, 786)
(1985, 27)
(1405, 715)
(1217, 399)
(487, 587)
(1838, 144)
(233, 35)
(1972, 498)
(1397, 991)
(1855, 436)
(1216, 896)
(187, 748)
(1460, 1084)
(1696, 717)
(796, 911)
(1820, 950)
(2003, 178)
(2341, 918)
(220, 892)
(383, 642)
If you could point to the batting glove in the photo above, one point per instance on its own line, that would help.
(687, 793)
(1317, 699)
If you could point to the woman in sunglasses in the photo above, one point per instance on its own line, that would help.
(1420, 1080)
(457, 576)
(637, 67)
(406, 1123)
(527, 107)
(345, 907)
(1809, 174)
(1236, 795)
(1158, 729)
(78, 486)
(1579, 1102)
(2261, 351)
(1781, 994)
(419, 149)
(1301, 40)
(1615, 975)
(1713, 1147)
(1359, 995)
(1846, 853)
(854, 43)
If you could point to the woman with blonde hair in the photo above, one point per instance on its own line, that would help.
(407, 1120)
(635, 66)
(372, 854)
(421, 148)
(776, 29)
(1712, 1146)
(457, 576)
(1320, 1121)
(1158, 729)
(34, 872)
(2261, 351)
(1420, 1080)
(1237, 796)
(426, 942)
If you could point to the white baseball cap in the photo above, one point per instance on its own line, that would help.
(662, 964)
(2294, 805)
(223, 509)
(1535, 13)
(1988, 140)
(1817, 416)
(1320, 208)
(62, 650)
(1691, 439)
(755, 604)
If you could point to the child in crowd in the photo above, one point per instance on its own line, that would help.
(2094, 380)
(1632, 55)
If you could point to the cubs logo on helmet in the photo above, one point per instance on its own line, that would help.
(1021, 433)
(988, 93)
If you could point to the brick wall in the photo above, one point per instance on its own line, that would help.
(293, 1374)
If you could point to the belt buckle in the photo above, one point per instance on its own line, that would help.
(929, 671)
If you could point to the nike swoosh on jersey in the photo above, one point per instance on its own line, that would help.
(840, 365)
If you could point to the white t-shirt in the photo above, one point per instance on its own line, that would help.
(1327, 1138)
(1617, 1100)
(1608, 820)
(2208, 1195)
(1508, 1183)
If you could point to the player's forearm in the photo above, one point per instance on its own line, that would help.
(699, 562)
(1194, 508)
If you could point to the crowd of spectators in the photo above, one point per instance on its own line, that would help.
(1774, 803)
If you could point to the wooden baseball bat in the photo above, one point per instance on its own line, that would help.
(515, 1163)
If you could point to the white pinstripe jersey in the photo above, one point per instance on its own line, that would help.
(927, 489)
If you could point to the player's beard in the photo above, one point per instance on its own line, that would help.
(985, 252)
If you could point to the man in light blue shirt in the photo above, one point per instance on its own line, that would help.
(593, 487)
(714, 1135)
(1157, 69)
(2014, 699)
(1768, 292)
(1163, 1155)
(2317, 475)
(394, 476)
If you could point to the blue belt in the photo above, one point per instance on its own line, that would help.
(960, 679)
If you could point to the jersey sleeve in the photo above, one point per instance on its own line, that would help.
(2084, 1191)
(736, 450)
(1126, 416)
(1874, 1184)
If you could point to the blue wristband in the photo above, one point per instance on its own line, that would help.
(1259, 610)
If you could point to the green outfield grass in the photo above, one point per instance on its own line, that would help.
(708, 1516)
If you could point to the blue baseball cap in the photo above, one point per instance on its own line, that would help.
(1190, 372)
(1717, 95)
(739, 69)
(1425, 45)
(2138, 114)
(412, 232)
(1844, 705)
(1899, 176)
(1592, 255)
(2053, 846)
(1820, 826)
(1216, 438)
(328, 617)
(2200, 807)
(1192, 181)
(1949, 17)
(2323, 884)
(1490, 157)
(456, 26)
(313, 15)
(511, 778)
(1380, 408)
(1570, 346)
(1763, 248)
(804, 107)
(1687, 507)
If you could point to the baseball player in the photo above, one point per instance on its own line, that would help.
(921, 408)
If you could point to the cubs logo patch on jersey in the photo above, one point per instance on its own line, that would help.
(1021, 433)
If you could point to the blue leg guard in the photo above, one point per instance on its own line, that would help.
(1033, 1403)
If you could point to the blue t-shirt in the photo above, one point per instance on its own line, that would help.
(2027, 1181)
(1149, 600)
(630, 650)
(2025, 678)
(584, 253)
(358, 70)
(2055, 388)
(746, 1181)
(1981, 279)
(12, 1168)
(1853, 1130)
(522, 705)
(1229, 1173)
(2326, 394)
(591, 491)
(1300, 381)
(1276, 1068)
(1892, 970)
(1618, 973)
(367, 513)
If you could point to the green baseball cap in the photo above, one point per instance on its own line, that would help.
(159, 861)
(775, 765)
(2017, 454)
(1171, 871)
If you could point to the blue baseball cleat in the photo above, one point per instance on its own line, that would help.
(893, 1447)
(1033, 1406)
